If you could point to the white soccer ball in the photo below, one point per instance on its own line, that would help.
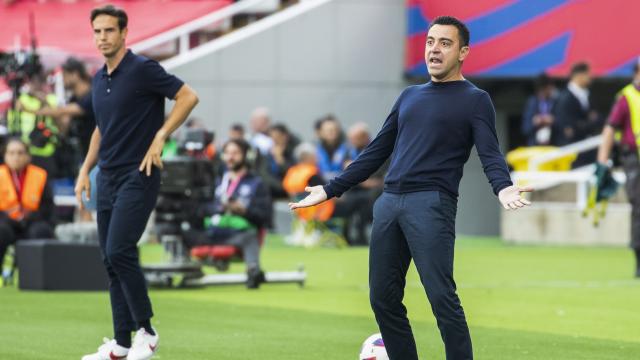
(373, 349)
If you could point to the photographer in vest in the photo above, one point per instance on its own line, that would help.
(625, 118)
(26, 201)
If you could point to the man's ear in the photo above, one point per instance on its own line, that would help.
(464, 52)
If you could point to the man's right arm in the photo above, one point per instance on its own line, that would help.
(371, 158)
(83, 184)
(71, 109)
(619, 114)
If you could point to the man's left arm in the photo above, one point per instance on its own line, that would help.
(495, 168)
(158, 81)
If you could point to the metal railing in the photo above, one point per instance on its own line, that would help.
(181, 33)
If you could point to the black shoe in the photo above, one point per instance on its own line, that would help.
(255, 277)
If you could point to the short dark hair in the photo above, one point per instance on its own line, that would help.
(636, 66)
(281, 128)
(15, 139)
(241, 143)
(73, 65)
(111, 10)
(579, 68)
(237, 127)
(463, 30)
(324, 119)
(543, 81)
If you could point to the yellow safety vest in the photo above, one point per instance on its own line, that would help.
(28, 122)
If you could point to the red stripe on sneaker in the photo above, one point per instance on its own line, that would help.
(114, 357)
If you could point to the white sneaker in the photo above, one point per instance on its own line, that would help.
(144, 345)
(110, 350)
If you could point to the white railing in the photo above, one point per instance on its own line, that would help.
(181, 33)
(575, 148)
(582, 176)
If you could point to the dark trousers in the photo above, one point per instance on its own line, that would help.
(126, 198)
(12, 231)
(418, 226)
(632, 187)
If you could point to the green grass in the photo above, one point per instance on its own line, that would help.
(521, 302)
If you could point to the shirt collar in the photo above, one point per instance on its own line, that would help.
(581, 93)
(127, 56)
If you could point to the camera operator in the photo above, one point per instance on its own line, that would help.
(39, 131)
(240, 210)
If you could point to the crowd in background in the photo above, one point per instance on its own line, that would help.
(58, 136)
(561, 117)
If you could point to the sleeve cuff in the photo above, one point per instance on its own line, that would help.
(330, 193)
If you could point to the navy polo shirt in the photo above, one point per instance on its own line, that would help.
(128, 106)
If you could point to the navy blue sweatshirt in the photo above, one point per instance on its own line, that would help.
(429, 135)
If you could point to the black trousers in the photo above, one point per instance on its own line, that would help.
(418, 226)
(632, 187)
(12, 231)
(126, 198)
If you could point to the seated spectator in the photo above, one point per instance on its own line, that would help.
(279, 159)
(236, 131)
(537, 119)
(332, 150)
(240, 210)
(26, 201)
(300, 176)
(356, 206)
(260, 122)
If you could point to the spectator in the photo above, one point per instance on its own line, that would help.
(73, 147)
(260, 122)
(356, 206)
(279, 159)
(574, 118)
(78, 82)
(241, 209)
(538, 119)
(332, 150)
(236, 131)
(26, 201)
(300, 176)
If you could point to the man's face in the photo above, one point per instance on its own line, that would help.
(329, 132)
(443, 53)
(70, 79)
(16, 156)
(107, 34)
(584, 79)
(233, 157)
(359, 139)
(259, 123)
(278, 137)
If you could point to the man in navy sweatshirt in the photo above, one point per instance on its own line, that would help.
(429, 135)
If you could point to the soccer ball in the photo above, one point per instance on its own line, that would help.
(373, 349)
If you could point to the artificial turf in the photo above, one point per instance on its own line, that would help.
(521, 303)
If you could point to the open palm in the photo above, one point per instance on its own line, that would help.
(511, 198)
(315, 197)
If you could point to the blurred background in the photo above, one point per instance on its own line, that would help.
(308, 83)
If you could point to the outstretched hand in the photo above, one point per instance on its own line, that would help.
(510, 197)
(315, 197)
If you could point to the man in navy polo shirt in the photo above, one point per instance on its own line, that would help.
(127, 100)
(429, 135)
